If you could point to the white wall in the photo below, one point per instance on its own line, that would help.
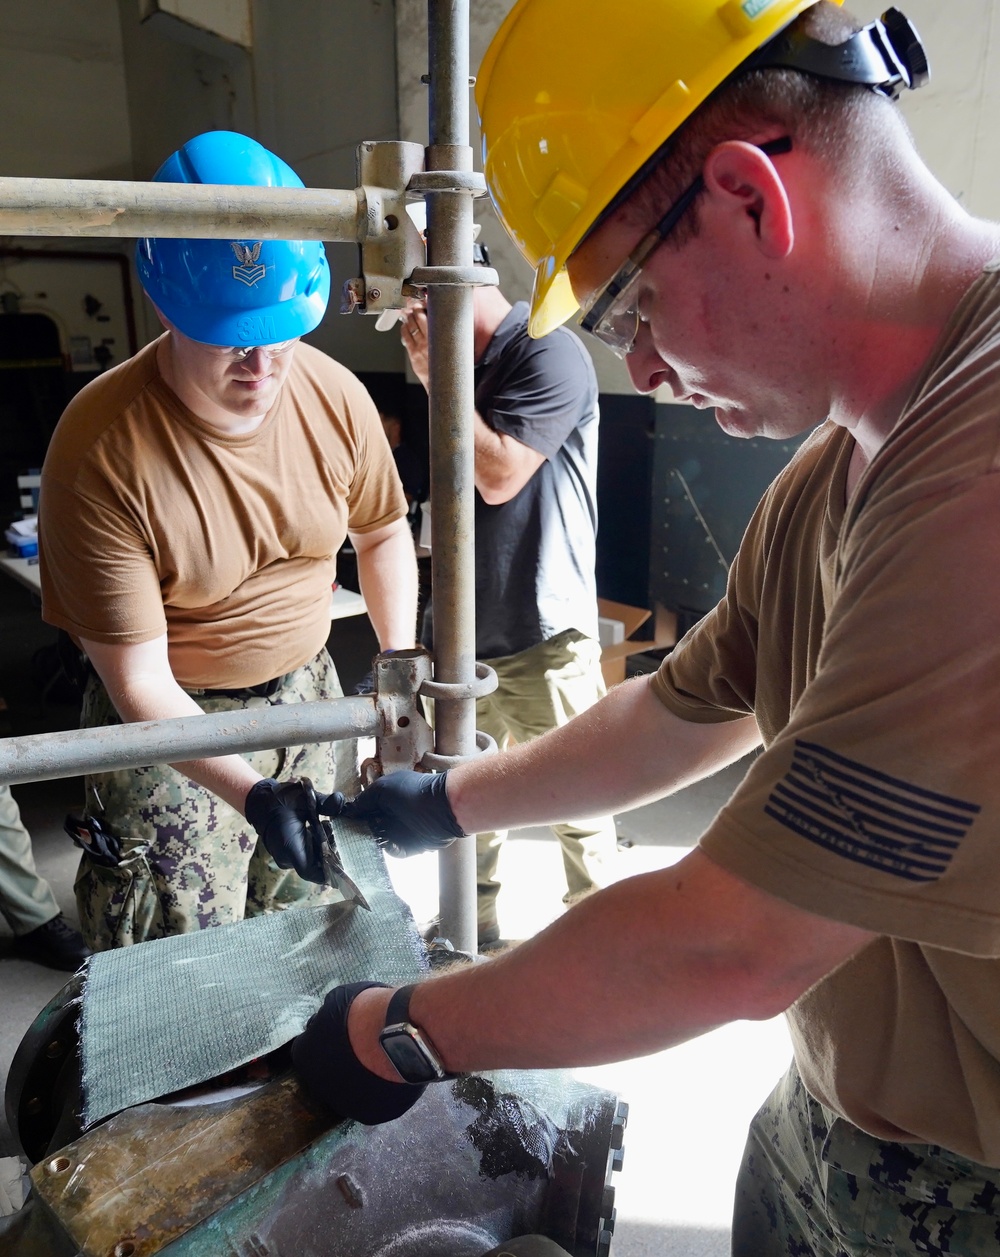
(955, 118)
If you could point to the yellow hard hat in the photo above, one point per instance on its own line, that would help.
(575, 95)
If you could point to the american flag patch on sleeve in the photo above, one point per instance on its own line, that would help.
(869, 817)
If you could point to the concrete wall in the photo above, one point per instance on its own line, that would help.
(954, 119)
(320, 78)
(62, 90)
(89, 91)
(326, 80)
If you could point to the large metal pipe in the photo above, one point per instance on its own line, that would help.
(449, 221)
(42, 756)
(98, 207)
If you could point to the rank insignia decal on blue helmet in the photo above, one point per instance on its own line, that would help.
(283, 285)
(250, 270)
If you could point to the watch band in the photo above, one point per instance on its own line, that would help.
(398, 1008)
(397, 1026)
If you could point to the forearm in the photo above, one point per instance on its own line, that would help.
(228, 776)
(142, 686)
(503, 465)
(387, 573)
(624, 751)
(645, 964)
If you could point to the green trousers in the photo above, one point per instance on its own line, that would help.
(814, 1185)
(26, 898)
(541, 689)
(190, 860)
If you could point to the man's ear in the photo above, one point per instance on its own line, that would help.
(746, 186)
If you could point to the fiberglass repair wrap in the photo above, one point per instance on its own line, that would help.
(168, 1014)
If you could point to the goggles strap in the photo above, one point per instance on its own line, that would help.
(886, 56)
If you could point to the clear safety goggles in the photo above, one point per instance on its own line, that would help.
(240, 353)
(613, 315)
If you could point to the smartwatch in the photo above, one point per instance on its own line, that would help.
(413, 1055)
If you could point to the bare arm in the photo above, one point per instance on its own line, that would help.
(141, 684)
(503, 465)
(642, 965)
(624, 751)
(387, 572)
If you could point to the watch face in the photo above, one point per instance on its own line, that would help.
(413, 1059)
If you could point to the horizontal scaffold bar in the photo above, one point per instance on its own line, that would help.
(42, 756)
(98, 207)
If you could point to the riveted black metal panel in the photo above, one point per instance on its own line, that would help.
(705, 488)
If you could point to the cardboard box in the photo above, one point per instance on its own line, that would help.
(618, 644)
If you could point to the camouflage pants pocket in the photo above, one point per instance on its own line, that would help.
(814, 1185)
(905, 1199)
(118, 906)
(191, 861)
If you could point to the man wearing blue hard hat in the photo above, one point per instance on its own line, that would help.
(193, 503)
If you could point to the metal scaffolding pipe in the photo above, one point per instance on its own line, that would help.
(98, 207)
(42, 756)
(452, 402)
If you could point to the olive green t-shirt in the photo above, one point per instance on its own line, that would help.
(152, 521)
(866, 639)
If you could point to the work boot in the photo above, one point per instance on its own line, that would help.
(55, 944)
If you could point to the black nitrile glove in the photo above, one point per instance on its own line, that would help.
(331, 1074)
(279, 811)
(408, 812)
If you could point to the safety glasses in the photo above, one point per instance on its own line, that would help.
(240, 353)
(613, 315)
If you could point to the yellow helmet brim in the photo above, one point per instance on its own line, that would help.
(575, 96)
(552, 299)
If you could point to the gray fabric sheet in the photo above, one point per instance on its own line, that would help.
(175, 1012)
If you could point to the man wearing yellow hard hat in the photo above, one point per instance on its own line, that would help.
(726, 192)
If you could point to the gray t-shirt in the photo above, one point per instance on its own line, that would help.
(535, 554)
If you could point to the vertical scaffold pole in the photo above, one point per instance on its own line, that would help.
(451, 397)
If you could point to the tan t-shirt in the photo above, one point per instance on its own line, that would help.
(866, 639)
(151, 520)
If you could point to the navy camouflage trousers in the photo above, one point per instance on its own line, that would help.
(189, 860)
(814, 1185)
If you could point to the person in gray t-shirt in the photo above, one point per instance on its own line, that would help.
(536, 427)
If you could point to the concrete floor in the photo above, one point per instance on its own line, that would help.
(688, 1107)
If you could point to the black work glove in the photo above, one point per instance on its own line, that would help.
(408, 812)
(331, 1074)
(279, 811)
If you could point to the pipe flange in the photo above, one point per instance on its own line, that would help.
(454, 277)
(448, 181)
(434, 762)
(485, 683)
(42, 1094)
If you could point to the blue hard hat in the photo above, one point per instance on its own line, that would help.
(234, 292)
